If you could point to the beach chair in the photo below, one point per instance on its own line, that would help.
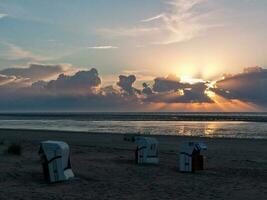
(146, 151)
(191, 159)
(130, 137)
(55, 158)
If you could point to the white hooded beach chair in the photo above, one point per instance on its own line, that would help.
(55, 158)
(147, 150)
(190, 156)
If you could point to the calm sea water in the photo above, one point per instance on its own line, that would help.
(179, 124)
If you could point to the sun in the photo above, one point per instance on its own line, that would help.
(191, 80)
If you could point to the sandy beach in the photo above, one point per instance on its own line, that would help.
(105, 169)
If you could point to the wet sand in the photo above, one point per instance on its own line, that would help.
(105, 169)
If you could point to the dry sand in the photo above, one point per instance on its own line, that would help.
(105, 169)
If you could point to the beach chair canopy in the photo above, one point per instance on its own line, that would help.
(146, 140)
(55, 158)
(190, 147)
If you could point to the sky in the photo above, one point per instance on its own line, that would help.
(149, 55)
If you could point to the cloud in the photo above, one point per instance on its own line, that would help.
(15, 53)
(109, 91)
(11, 83)
(160, 16)
(39, 85)
(147, 90)
(172, 90)
(170, 83)
(126, 84)
(37, 72)
(6, 79)
(82, 82)
(248, 86)
(83, 91)
(2, 15)
(182, 20)
(103, 47)
(80, 91)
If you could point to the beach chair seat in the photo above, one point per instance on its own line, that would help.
(55, 159)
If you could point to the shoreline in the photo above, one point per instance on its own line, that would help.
(47, 131)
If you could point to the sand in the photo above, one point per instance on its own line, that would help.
(105, 169)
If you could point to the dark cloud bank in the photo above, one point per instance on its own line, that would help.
(249, 86)
(30, 89)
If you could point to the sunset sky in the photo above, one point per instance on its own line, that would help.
(180, 48)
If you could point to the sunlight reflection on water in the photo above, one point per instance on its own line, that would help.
(182, 128)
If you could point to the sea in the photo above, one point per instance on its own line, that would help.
(213, 125)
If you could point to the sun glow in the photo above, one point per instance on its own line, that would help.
(193, 73)
(190, 80)
(210, 94)
(190, 69)
(181, 92)
(184, 70)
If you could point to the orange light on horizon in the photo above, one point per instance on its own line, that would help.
(219, 104)
(227, 105)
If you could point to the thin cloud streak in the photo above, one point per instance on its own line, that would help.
(2, 15)
(15, 53)
(103, 47)
(153, 18)
(182, 21)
